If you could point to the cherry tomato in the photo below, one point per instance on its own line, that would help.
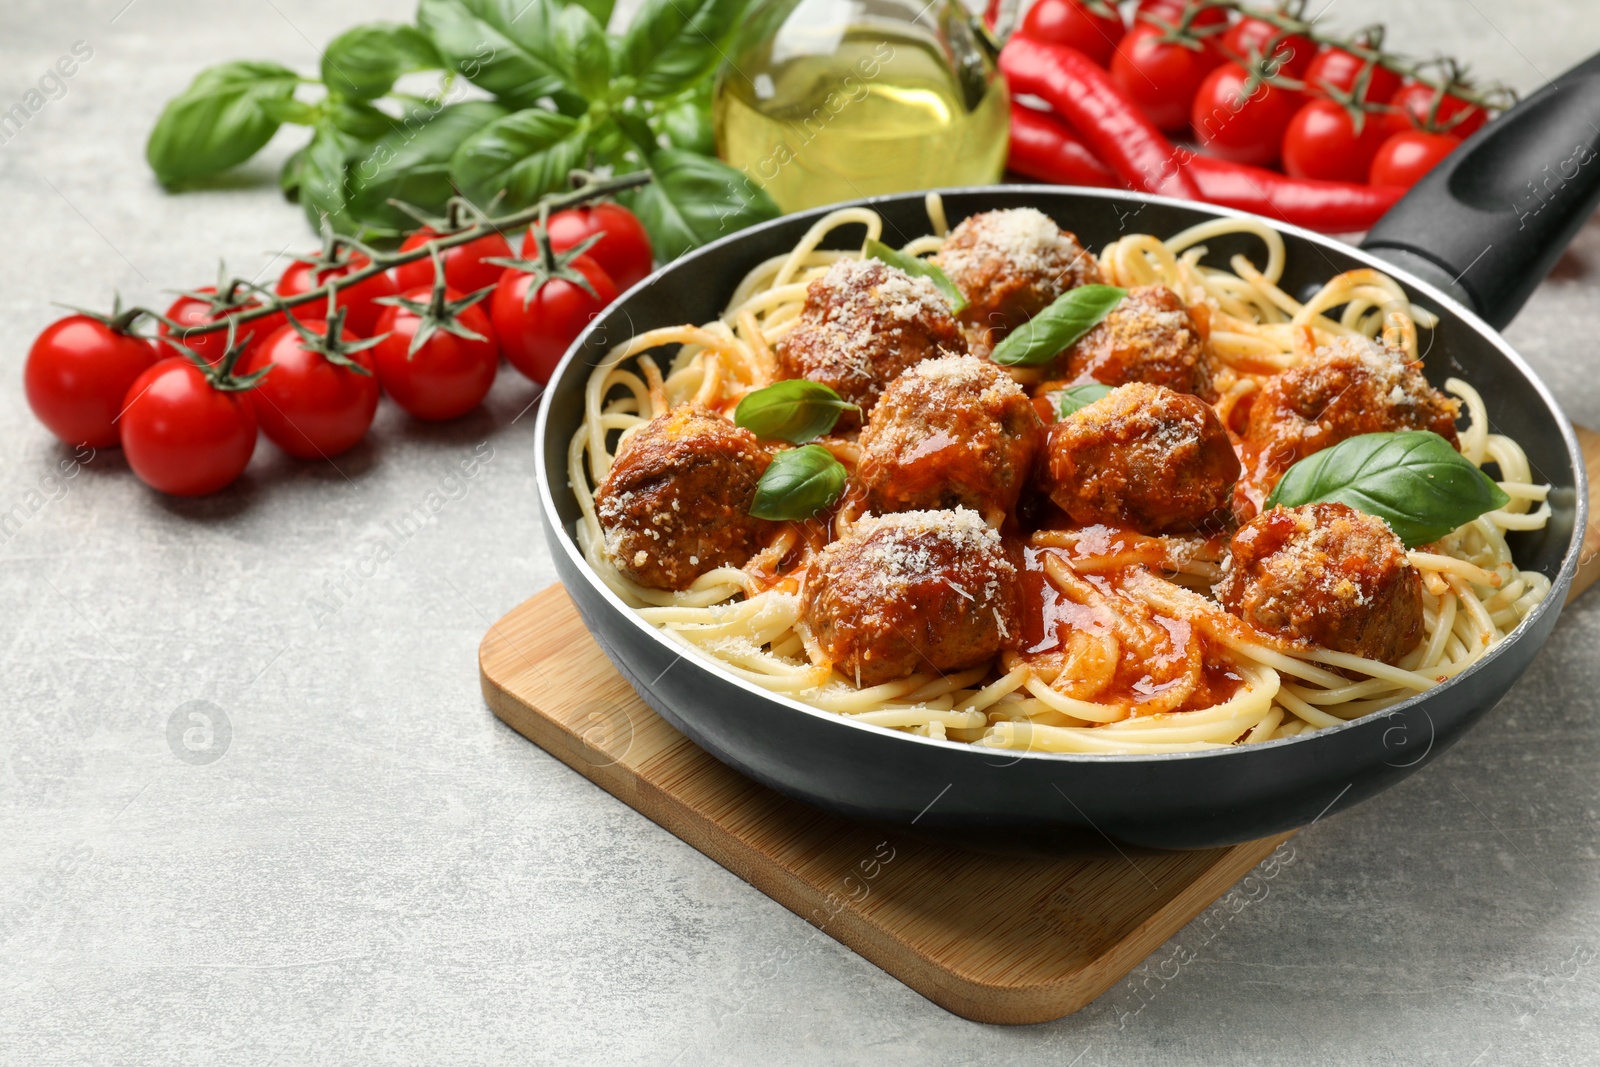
(1407, 156)
(302, 276)
(1093, 28)
(307, 405)
(1417, 111)
(77, 375)
(1322, 142)
(449, 375)
(211, 347)
(1338, 68)
(183, 436)
(623, 253)
(1171, 12)
(464, 268)
(535, 336)
(1244, 127)
(1249, 37)
(1160, 77)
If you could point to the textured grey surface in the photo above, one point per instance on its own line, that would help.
(376, 870)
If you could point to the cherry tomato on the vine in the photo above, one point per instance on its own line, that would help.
(1240, 119)
(1420, 106)
(449, 374)
(624, 252)
(1171, 12)
(77, 376)
(1405, 157)
(1093, 27)
(304, 275)
(195, 310)
(1322, 142)
(1161, 76)
(1250, 37)
(1340, 69)
(464, 266)
(535, 332)
(309, 405)
(182, 434)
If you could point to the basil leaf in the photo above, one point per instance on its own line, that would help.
(583, 52)
(1076, 397)
(671, 44)
(1414, 480)
(795, 410)
(695, 199)
(687, 125)
(917, 267)
(525, 155)
(220, 121)
(359, 118)
(600, 9)
(412, 162)
(324, 188)
(799, 483)
(289, 176)
(505, 46)
(1049, 333)
(365, 61)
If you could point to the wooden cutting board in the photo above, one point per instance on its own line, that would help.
(926, 913)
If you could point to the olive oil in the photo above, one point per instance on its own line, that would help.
(876, 108)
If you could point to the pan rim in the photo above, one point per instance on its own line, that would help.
(1553, 601)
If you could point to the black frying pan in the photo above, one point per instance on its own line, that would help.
(1467, 243)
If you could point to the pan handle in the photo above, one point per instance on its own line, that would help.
(1489, 222)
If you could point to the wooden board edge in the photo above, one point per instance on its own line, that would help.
(1589, 558)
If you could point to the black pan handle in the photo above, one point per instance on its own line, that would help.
(1489, 222)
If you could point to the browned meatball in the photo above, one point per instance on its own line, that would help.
(863, 325)
(676, 502)
(1011, 265)
(1350, 387)
(1328, 574)
(1143, 457)
(1148, 337)
(917, 592)
(950, 432)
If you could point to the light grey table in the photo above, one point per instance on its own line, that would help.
(375, 870)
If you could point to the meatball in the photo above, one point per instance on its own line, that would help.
(1011, 265)
(1147, 337)
(1353, 386)
(863, 325)
(1328, 574)
(1143, 457)
(917, 592)
(950, 432)
(676, 502)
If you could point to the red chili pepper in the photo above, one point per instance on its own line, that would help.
(1042, 148)
(1115, 130)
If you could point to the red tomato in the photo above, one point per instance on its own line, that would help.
(1338, 68)
(1321, 142)
(1093, 27)
(623, 253)
(464, 267)
(1171, 12)
(302, 276)
(309, 406)
(1246, 128)
(1249, 38)
(534, 336)
(1423, 107)
(211, 347)
(449, 375)
(1160, 77)
(182, 435)
(77, 376)
(1406, 157)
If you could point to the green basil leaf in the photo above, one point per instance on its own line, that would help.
(1414, 480)
(917, 267)
(525, 155)
(799, 483)
(583, 52)
(1049, 333)
(600, 9)
(795, 410)
(695, 199)
(221, 120)
(687, 125)
(505, 46)
(365, 61)
(1076, 397)
(359, 118)
(289, 176)
(324, 188)
(672, 44)
(412, 162)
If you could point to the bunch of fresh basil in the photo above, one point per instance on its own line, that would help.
(565, 95)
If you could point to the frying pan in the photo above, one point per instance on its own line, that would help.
(1470, 243)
